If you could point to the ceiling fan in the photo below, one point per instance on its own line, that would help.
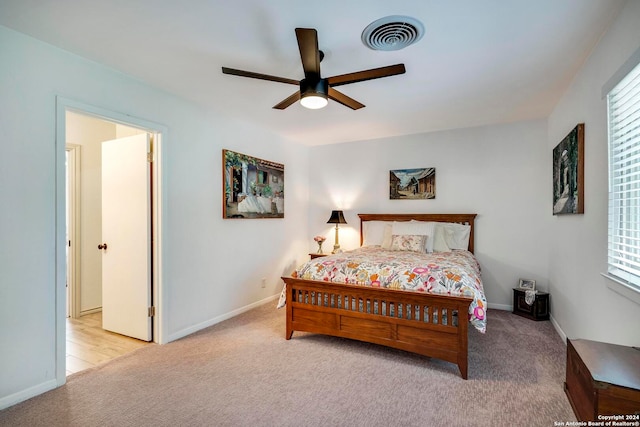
(314, 90)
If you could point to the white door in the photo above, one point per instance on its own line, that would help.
(126, 231)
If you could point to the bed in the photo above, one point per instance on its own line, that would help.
(409, 317)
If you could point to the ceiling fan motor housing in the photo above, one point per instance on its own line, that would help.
(315, 87)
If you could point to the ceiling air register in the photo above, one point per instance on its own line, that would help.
(392, 33)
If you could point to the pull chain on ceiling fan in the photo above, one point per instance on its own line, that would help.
(314, 90)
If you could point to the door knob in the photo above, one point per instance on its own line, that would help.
(102, 246)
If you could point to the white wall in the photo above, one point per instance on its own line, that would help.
(123, 131)
(211, 266)
(584, 306)
(495, 171)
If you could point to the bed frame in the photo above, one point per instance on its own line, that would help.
(415, 322)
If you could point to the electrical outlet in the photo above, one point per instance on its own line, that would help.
(263, 283)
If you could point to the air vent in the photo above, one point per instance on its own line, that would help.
(392, 33)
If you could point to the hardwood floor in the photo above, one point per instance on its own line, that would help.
(89, 345)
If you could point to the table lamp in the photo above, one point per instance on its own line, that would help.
(337, 217)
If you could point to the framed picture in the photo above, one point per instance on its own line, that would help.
(406, 184)
(568, 173)
(251, 187)
(527, 284)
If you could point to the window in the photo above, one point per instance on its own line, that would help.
(624, 180)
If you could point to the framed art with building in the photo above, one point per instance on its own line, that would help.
(407, 184)
(568, 173)
(252, 187)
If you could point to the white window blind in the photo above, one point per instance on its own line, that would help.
(624, 179)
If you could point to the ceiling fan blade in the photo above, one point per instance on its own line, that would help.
(344, 99)
(360, 76)
(253, 75)
(309, 53)
(287, 102)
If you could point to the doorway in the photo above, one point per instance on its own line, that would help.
(82, 303)
(99, 157)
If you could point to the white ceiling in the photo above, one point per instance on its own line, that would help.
(480, 62)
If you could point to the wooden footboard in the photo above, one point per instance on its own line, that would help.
(428, 324)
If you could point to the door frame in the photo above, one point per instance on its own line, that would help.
(73, 261)
(158, 208)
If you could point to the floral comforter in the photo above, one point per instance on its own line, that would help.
(449, 273)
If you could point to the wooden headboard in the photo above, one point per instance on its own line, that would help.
(466, 219)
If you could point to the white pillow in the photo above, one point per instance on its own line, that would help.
(413, 227)
(440, 238)
(374, 232)
(458, 236)
(387, 236)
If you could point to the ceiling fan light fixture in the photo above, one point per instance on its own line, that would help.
(314, 102)
(314, 96)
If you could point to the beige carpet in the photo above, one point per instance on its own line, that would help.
(242, 372)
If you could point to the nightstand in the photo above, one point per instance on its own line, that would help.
(316, 255)
(539, 310)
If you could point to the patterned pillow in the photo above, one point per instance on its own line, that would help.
(408, 242)
(424, 228)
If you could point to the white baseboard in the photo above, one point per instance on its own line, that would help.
(505, 307)
(23, 395)
(90, 311)
(195, 328)
(558, 329)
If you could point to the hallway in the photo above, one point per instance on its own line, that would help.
(89, 345)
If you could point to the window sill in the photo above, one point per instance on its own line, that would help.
(622, 288)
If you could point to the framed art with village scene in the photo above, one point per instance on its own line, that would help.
(405, 184)
(252, 187)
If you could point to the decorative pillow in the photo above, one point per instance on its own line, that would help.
(440, 238)
(423, 228)
(408, 242)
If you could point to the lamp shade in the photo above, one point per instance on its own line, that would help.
(337, 217)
